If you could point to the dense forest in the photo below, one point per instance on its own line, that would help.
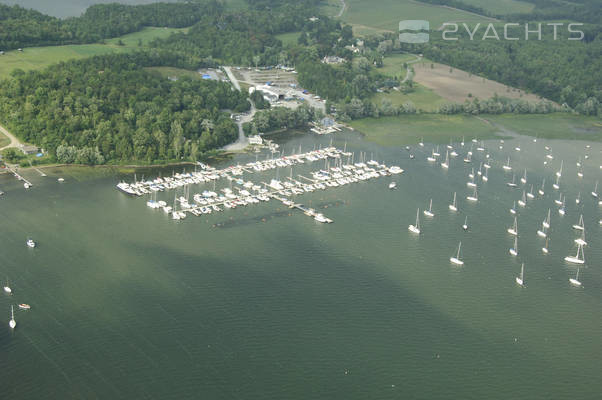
(22, 28)
(107, 108)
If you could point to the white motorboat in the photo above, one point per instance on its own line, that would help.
(12, 323)
(392, 185)
(31, 243)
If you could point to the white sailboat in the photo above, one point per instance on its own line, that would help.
(559, 201)
(465, 225)
(513, 209)
(453, 206)
(561, 210)
(468, 158)
(432, 157)
(530, 193)
(471, 175)
(507, 166)
(513, 230)
(7, 288)
(436, 153)
(578, 199)
(559, 172)
(542, 232)
(556, 184)
(595, 192)
(456, 260)
(577, 259)
(545, 248)
(445, 164)
(520, 279)
(540, 191)
(485, 177)
(581, 240)
(546, 222)
(392, 185)
(524, 178)
(575, 281)
(480, 171)
(514, 250)
(523, 201)
(12, 323)
(474, 196)
(513, 183)
(421, 143)
(429, 212)
(579, 226)
(415, 228)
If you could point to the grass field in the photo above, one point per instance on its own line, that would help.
(386, 14)
(393, 64)
(410, 129)
(176, 72)
(502, 7)
(35, 58)
(422, 97)
(434, 128)
(330, 8)
(552, 126)
(288, 38)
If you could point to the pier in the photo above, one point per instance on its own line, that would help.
(247, 192)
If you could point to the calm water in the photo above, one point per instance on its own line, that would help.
(70, 8)
(265, 303)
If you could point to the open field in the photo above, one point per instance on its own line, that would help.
(73, 8)
(458, 84)
(174, 72)
(288, 38)
(434, 128)
(552, 126)
(330, 8)
(35, 58)
(393, 64)
(502, 7)
(409, 129)
(386, 14)
(423, 98)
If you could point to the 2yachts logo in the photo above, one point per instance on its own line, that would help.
(414, 25)
(417, 31)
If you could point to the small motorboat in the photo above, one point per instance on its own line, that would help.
(31, 243)
(24, 306)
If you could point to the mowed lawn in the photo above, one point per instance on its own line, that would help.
(551, 126)
(423, 98)
(502, 7)
(34, 58)
(386, 14)
(288, 39)
(432, 128)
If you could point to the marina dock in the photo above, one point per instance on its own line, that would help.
(247, 192)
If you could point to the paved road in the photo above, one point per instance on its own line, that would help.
(343, 7)
(14, 142)
(232, 78)
(409, 71)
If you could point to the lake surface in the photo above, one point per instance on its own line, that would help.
(70, 8)
(262, 302)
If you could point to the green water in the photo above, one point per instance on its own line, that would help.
(70, 8)
(264, 303)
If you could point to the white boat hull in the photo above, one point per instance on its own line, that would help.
(519, 281)
(574, 282)
(413, 229)
(455, 261)
(573, 260)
